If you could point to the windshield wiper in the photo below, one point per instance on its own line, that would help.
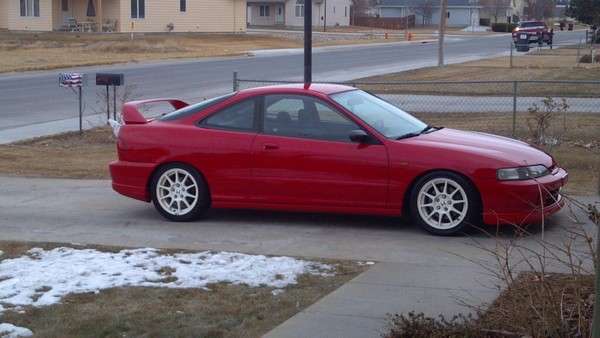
(423, 131)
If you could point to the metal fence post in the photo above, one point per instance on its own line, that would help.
(511, 54)
(514, 118)
(236, 85)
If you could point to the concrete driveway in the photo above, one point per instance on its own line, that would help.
(414, 271)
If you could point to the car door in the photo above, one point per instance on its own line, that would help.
(304, 157)
(222, 151)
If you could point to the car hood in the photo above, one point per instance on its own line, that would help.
(503, 151)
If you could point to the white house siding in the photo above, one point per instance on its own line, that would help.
(41, 23)
(389, 12)
(200, 16)
(458, 16)
(3, 13)
(338, 12)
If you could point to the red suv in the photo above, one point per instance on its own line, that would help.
(536, 29)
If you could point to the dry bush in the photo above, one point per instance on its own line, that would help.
(540, 122)
(587, 58)
(548, 288)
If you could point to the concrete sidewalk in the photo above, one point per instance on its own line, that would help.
(360, 308)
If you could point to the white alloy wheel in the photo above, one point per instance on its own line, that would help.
(177, 191)
(444, 203)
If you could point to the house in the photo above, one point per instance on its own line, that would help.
(427, 12)
(290, 13)
(124, 15)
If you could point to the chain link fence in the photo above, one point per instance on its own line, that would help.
(500, 107)
(581, 55)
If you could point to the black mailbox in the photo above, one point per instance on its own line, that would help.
(522, 42)
(106, 79)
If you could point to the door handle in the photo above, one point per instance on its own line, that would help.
(269, 146)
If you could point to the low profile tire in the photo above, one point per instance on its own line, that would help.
(179, 193)
(444, 203)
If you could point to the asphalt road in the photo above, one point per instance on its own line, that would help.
(32, 98)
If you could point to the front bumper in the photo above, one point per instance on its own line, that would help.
(521, 202)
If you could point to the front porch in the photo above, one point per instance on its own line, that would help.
(86, 15)
(266, 13)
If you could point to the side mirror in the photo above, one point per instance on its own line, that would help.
(359, 136)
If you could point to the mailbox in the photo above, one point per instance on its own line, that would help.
(106, 79)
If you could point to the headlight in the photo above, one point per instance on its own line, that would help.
(522, 173)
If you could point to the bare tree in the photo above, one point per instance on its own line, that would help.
(425, 9)
(539, 9)
(496, 8)
(364, 7)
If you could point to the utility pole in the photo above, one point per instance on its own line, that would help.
(442, 32)
(307, 42)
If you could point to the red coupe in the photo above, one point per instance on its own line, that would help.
(328, 148)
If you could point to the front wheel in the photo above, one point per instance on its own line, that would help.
(179, 193)
(444, 203)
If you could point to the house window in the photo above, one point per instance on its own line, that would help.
(345, 12)
(30, 8)
(299, 8)
(447, 15)
(265, 11)
(182, 5)
(138, 9)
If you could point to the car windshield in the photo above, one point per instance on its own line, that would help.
(532, 24)
(389, 120)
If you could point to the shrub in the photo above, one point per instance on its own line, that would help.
(484, 22)
(503, 27)
(587, 58)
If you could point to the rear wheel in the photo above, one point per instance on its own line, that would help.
(444, 203)
(179, 193)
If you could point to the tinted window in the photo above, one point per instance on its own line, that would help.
(240, 116)
(305, 117)
(194, 108)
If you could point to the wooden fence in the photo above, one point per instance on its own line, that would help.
(385, 23)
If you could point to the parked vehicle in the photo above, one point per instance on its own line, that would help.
(536, 29)
(328, 148)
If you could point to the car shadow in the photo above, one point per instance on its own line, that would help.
(292, 218)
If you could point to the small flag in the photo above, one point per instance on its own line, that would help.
(70, 79)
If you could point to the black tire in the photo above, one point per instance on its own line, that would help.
(179, 192)
(444, 203)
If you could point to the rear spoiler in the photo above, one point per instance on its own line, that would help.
(132, 115)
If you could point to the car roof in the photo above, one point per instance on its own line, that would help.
(323, 88)
(531, 23)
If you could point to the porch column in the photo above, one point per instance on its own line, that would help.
(100, 16)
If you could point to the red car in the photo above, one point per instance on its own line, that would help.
(535, 30)
(328, 148)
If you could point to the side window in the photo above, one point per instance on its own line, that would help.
(240, 116)
(305, 117)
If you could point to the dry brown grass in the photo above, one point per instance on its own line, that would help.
(225, 311)
(68, 155)
(42, 51)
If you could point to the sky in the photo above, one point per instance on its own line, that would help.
(43, 277)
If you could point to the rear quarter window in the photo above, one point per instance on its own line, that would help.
(194, 108)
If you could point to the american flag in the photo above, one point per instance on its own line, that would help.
(70, 79)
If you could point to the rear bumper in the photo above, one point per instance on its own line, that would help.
(131, 179)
